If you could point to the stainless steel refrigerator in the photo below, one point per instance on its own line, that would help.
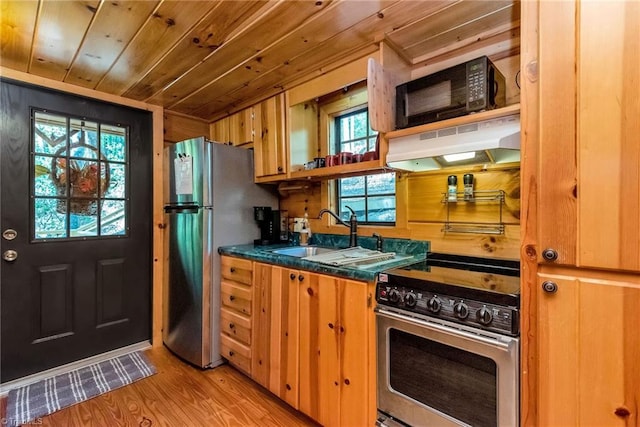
(210, 204)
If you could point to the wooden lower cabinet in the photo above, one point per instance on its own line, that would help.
(275, 337)
(236, 298)
(311, 345)
(589, 348)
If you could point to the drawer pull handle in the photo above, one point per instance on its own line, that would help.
(292, 276)
(288, 387)
(232, 269)
(231, 353)
(231, 326)
(231, 298)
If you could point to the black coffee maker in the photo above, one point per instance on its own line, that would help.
(269, 222)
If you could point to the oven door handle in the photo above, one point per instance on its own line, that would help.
(498, 343)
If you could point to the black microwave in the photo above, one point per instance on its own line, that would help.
(475, 85)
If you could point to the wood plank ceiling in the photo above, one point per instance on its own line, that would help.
(210, 58)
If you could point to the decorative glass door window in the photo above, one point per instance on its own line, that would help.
(80, 187)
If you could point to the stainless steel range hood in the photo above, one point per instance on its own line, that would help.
(484, 142)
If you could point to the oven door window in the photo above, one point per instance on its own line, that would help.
(455, 382)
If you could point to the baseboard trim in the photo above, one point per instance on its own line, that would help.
(20, 382)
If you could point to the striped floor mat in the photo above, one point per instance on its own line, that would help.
(36, 400)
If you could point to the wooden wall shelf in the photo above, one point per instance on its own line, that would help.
(342, 171)
(457, 121)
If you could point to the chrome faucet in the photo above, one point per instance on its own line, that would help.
(353, 224)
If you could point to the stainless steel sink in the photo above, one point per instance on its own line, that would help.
(303, 251)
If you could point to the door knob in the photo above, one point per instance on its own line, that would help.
(10, 255)
(549, 287)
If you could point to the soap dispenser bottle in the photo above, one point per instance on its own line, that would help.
(305, 232)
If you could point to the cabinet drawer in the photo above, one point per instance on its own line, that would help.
(236, 296)
(235, 325)
(238, 354)
(236, 269)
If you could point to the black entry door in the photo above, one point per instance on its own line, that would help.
(75, 207)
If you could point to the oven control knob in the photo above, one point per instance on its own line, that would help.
(394, 296)
(484, 316)
(434, 305)
(410, 299)
(461, 310)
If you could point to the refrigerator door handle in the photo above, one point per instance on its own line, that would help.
(189, 209)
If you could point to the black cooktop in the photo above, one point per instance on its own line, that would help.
(491, 280)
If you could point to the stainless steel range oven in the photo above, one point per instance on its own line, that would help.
(448, 346)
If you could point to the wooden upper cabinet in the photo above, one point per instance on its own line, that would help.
(270, 142)
(589, 104)
(241, 127)
(219, 131)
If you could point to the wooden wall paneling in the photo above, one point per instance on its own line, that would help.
(160, 33)
(608, 135)
(557, 171)
(19, 18)
(54, 47)
(449, 23)
(482, 245)
(353, 42)
(274, 23)
(105, 41)
(426, 196)
(178, 127)
(349, 74)
(219, 25)
(272, 66)
(529, 141)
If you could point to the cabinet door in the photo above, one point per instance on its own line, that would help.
(608, 135)
(344, 342)
(269, 144)
(589, 347)
(309, 344)
(356, 402)
(283, 379)
(589, 101)
(275, 334)
(219, 131)
(331, 293)
(241, 127)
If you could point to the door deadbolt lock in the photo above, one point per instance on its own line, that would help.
(9, 234)
(10, 255)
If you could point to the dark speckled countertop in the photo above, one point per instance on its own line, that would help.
(407, 251)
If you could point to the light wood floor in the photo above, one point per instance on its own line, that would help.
(181, 395)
